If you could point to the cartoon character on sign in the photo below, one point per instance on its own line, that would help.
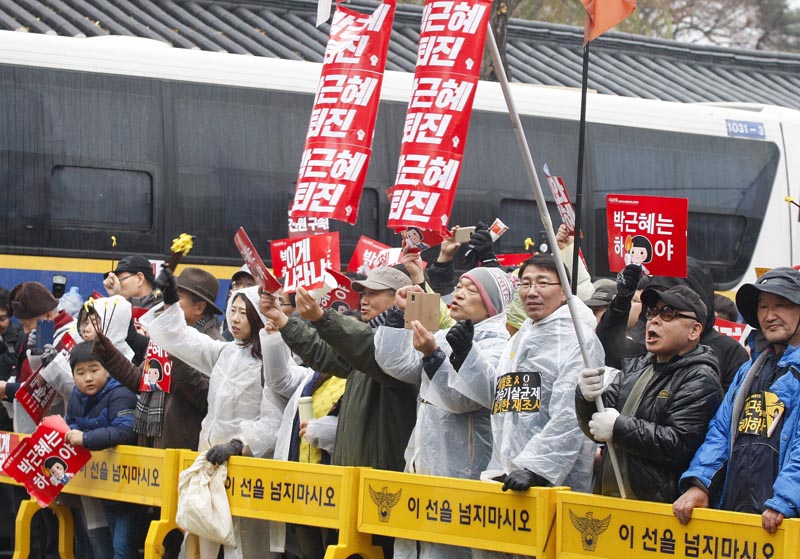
(340, 306)
(57, 469)
(589, 528)
(155, 374)
(638, 250)
(414, 238)
(384, 501)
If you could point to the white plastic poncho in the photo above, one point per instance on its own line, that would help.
(549, 441)
(453, 434)
(286, 378)
(238, 405)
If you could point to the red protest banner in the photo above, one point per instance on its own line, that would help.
(451, 43)
(421, 239)
(36, 395)
(339, 138)
(44, 462)
(8, 441)
(157, 372)
(647, 230)
(733, 329)
(561, 197)
(303, 262)
(253, 261)
(307, 226)
(365, 255)
(512, 259)
(342, 297)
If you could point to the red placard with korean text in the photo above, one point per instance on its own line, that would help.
(727, 328)
(8, 441)
(452, 38)
(561, 197)
(512, 259)
(306, 226)
(365, 255)
(303, 262)
(342, 297)
(647, 230)
(157, 372)
(253, 261)
(35, 395)
(338, 145)
(44, 462)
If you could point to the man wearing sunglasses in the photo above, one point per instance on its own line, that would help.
(749, 461)
(658, 408)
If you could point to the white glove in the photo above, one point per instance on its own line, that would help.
(590, 381)
(35, 361)
(321, 433)
(602, 425)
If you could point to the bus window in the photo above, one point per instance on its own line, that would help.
(366, 224)
(522, 218)
(87, 198)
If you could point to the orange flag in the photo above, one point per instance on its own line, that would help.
(602, 15)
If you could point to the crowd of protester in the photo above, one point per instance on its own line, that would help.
(502, 392)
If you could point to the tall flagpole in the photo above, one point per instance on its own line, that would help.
(579, 185)
(536, 186)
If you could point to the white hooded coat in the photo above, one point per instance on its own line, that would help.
(238, 405)
(453, 434)
(549, 441)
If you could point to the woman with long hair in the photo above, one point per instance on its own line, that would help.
(243, 415)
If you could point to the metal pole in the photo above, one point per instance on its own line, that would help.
(527, 159)
(579, 182)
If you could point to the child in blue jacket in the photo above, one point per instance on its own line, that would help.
(100, 416)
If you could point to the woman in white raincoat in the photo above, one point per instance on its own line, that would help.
(531, 392)
(243, 415)
(283, 375)
(453, 434)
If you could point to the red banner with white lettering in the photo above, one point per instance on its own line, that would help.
(303, 262)
(254, 262)
(157, 372)
(342, 297)
(561, 197)
(727, 328)
(451, 44)
(339, 138)
(44, 462)
(647, 230)
(365, 255)
(36, 395)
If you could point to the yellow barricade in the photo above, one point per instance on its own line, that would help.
(594, 527)
(131, 474)
(458, 512)
(297, 493)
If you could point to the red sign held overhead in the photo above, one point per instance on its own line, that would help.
(647, 230)
(342, 297)
(36, 395)
(253, 261)
(44, 462)
(561, 196)
(303, 262)
(339, 138)
(451, 45)
(365, 255)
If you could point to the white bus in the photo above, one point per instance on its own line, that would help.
(133, 138)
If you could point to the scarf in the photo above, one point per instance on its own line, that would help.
(148, 417)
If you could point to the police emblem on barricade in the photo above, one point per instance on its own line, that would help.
(590, 528)
(384, 501)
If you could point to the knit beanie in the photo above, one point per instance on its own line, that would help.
(31, 299)
(495, 287)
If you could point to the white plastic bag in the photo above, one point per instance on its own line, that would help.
(203, 507)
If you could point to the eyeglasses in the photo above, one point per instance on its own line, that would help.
(667, 314)
(126, 277)
(526, 285)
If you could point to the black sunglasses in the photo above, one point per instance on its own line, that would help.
(667, 314)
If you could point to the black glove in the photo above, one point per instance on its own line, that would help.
(49, 354)
(460, 339)
(220, 453)
(628, 280)
(522, 480)
(168, 285)
(480, 248)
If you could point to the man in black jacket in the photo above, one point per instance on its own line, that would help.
(658, 409)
